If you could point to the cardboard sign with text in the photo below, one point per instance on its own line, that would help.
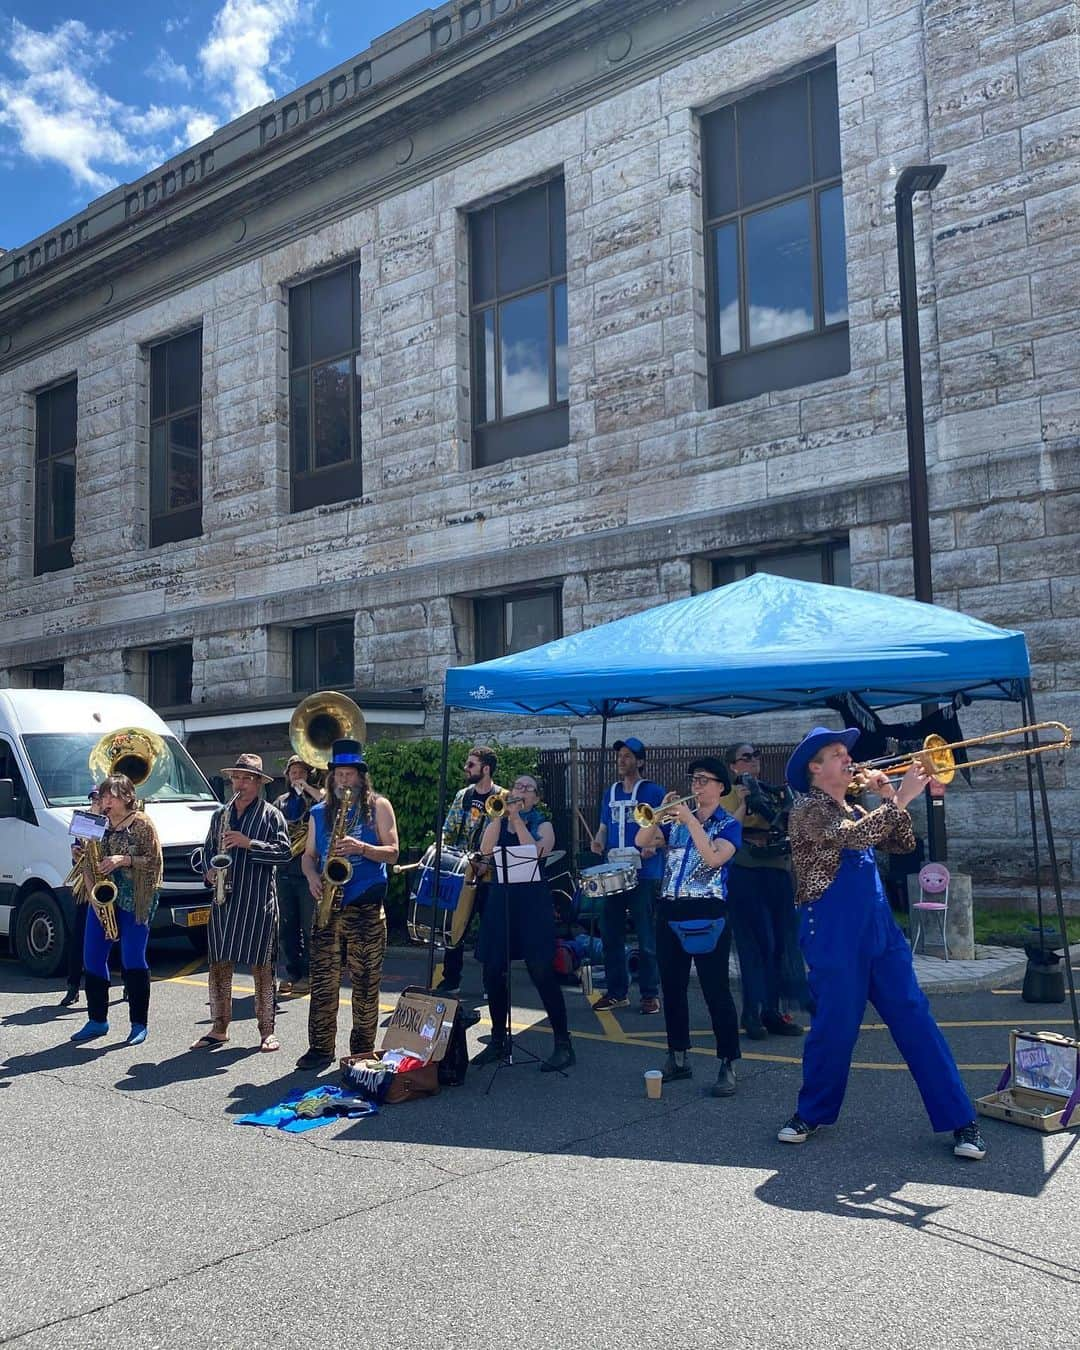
(421, 1023)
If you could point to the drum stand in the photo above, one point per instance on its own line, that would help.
(508, 1061)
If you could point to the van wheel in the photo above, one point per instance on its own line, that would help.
(40, 934)
(199, 939)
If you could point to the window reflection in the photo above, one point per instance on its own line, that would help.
(833, 256)
(727, 287)
(330, 404)
(779, 280)
(524, 350)
(562, 346)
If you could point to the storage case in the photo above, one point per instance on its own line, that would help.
(1040, 1087)
(420, 1023)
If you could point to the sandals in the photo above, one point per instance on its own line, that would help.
(208, 1042)
(269, 1044)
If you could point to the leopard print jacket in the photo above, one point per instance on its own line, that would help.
(820, 828)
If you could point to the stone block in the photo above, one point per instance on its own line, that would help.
(983, 431)
(1000, 522)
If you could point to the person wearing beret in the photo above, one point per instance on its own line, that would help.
(853, 947)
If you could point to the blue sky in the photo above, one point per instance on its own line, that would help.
(93, 94)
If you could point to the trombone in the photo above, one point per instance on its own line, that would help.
(939, 761)
(646, 815)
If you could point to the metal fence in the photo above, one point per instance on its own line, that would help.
(579, 777)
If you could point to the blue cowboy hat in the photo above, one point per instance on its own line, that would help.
(811, 743)
(347, 755)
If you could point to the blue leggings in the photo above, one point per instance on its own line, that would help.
(133, 939)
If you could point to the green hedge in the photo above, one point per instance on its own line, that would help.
(408, 773)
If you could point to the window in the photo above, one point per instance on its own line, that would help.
(168, 676)
(54, 522)
(828, 562)
(176, 439)
(324, 389)
(47, 677)
(516, 622)
(323, 657)
(520, 372)
(774, 226)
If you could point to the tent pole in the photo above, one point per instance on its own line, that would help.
(603, 727)
(1052, 852)
(1029, 740)
(439, 818)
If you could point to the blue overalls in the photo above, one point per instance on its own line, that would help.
(855, 952)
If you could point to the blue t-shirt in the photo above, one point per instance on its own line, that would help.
(365, 872)
(622, 828)
(684, 872)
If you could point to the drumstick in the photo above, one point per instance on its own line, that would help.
(405, 867)
(585, 823)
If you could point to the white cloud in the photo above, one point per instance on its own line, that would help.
(59, 115)
(245, 46)
(167, 71)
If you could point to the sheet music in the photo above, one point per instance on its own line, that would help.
(522, 864)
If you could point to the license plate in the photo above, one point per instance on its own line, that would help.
(198, 918)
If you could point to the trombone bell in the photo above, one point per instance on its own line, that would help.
(938, 758)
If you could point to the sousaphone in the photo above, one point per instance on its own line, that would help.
(321, 719)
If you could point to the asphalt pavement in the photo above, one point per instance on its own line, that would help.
(531, 1210)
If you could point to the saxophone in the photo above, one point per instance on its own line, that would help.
(89, 886)
(337, 870)
(221, 860)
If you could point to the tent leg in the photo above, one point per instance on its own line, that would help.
(1029, 740)
(440, 817)
(603, 729)
(1052, 852)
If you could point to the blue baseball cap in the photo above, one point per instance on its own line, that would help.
(815, 740)
(632, 744)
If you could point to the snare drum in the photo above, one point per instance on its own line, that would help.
(608, 879)
(429, 903)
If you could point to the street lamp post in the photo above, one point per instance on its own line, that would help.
(917, 178)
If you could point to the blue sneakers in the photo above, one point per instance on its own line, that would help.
(90, 1032)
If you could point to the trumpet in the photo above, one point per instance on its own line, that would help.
(497, 803)
(221, 861)
(939, 761)
(646, 815)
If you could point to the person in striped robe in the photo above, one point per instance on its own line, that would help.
(243, 931)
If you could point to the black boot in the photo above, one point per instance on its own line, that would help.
(138, 985)
(562, 1057)
(70, 997)
(493, 1053)
(97, 997)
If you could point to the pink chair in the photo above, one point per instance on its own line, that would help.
(932, 904)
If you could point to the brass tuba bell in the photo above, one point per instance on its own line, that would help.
(140, 754)
(321, 719)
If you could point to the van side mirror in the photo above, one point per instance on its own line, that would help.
(7, 798)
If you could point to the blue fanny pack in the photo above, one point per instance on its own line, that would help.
(698, 937)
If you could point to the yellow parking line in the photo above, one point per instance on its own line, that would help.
(246, 988)
(189, 969)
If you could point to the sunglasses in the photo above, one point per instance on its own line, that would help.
(703, 778)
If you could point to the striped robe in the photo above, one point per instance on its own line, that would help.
(243, 930)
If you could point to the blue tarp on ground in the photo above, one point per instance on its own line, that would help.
(760, 644)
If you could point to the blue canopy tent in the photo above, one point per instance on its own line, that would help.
(762, 644)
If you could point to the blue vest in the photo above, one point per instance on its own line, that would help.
(366, 873)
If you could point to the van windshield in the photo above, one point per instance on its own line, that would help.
(61, 764)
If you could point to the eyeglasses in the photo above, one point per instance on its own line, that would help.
(703, 778)
(524, 787)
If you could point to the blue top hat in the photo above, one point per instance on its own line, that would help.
(347, 755)
(811, 743)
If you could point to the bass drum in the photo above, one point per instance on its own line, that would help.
(431, 903)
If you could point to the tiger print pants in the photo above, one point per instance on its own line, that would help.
(220, 982)
(363, 929)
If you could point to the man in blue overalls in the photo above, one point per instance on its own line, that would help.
(853, 947)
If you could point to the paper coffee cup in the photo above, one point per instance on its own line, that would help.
(654, 1082)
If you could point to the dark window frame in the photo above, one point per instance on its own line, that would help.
(163, 689)
(181, 522)
(309, 633)
(498, 438)
(742, 565)
(46, 677)
(489, 618)
(336, 482)
(802, 358)
(52, 553)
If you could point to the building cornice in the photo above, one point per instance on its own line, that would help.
(417, 121)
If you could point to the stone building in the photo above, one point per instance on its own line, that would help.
(539, 312)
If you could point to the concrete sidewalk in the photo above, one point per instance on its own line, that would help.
(993, 968)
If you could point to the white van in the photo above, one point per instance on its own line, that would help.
(45, 741)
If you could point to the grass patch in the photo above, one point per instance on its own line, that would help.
(1012, 928)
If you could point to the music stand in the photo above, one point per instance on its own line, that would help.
(519, 860)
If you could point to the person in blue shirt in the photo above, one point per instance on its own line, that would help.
(614, 841)
(370, 842)
(692, 917)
